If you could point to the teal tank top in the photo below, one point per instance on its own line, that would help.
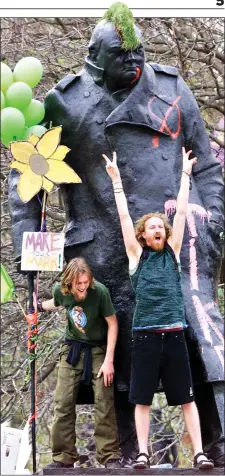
(157, 286)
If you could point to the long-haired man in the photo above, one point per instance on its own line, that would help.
(87, 355)
(159, 351)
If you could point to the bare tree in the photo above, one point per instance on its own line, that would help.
(195, 46)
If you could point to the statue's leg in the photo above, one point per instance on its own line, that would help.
(209, 397)
(210, 402)
(126, 426)
(124, 409)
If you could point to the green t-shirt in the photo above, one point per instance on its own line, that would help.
(86, 319)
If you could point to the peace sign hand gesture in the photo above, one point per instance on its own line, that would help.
(111, 167)
(188, 163)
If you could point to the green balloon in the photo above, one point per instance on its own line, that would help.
(6, 77)
(19, 95)
(35, 130)
(2, 100)
(12, 122)
(6, 140)
(34, 113)
(12, 137)
(29, 70)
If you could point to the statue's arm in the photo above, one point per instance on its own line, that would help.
(54, 110)
(207, 175)
(24, 216)
(207, 172)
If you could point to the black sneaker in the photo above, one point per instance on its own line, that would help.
(59, 464)
(126, 462)
(113, 463)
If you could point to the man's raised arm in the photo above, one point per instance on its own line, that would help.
(133, 248)
(176, 239)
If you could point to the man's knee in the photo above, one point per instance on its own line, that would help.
(189, 407)
(142, 409)
(64, 397)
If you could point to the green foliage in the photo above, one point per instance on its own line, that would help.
(121, 16)
(61, 60)
(221, 298)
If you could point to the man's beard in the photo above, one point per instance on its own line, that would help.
(158, 245)
(79, 296)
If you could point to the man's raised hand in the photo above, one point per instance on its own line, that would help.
(188, 163)
(111, 167)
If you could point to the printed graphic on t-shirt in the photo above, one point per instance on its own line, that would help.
(79, 318)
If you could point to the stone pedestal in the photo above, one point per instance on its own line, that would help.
(131, 472)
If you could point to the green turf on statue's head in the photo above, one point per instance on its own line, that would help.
(121, 16)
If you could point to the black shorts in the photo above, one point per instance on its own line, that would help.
(162, 356)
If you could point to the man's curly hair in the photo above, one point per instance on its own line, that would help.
(74, 268)
(140, 226)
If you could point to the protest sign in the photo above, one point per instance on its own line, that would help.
(42, 251)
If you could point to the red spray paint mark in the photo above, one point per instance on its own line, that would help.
(155, 141)
(138, 74)
(163, 122)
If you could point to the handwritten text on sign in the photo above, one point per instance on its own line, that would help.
(42, 251)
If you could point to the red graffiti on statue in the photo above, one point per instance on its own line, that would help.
(163, 122)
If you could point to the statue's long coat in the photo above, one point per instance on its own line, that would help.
(147, 126)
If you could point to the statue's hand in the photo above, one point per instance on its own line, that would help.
(188, 163)
(112, 168)
(214, 242)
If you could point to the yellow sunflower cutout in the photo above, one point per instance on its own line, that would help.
(40, 160)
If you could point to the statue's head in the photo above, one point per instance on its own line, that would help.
(116, 47)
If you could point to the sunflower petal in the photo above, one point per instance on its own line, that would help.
(59, 172)
(29, 185)
(18, 166)
(47, 185)
(22, 151)
(49, 142)
(33, 139)
(60, 152)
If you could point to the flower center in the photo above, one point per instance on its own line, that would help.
(38, 164)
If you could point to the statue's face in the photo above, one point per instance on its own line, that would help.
(121, 67)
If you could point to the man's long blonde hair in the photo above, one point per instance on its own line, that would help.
(140, 226)
(72, 271)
